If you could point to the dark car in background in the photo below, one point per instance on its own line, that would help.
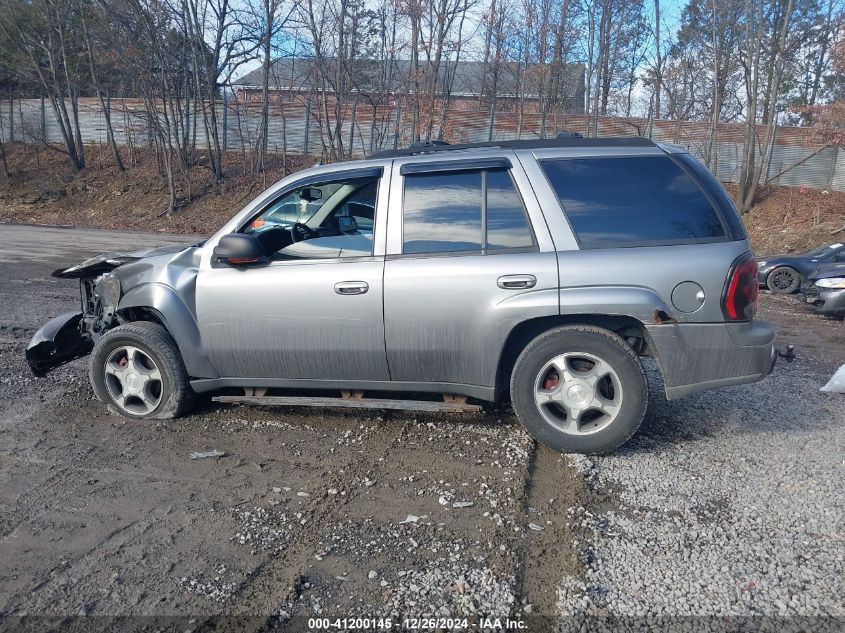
(824, 291)
(785, 274)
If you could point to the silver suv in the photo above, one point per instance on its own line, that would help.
(538, 270)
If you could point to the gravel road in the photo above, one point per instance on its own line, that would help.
(727, 504)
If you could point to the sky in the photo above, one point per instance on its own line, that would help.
(670, 17)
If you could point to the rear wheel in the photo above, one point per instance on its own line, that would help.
(783, 280)
(136, 369)
(579, 389)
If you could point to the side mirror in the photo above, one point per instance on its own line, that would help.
(310, 194)
(238, 249)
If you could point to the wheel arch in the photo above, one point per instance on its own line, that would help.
(161, 304)
(632, 330)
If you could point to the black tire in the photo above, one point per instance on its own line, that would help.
(175, 393)
(783, 280)
(595, 341)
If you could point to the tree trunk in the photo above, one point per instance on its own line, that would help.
(96, 85)
(658, 71)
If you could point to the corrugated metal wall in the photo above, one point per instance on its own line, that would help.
(294, 126)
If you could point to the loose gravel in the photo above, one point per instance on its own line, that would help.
(726, 504)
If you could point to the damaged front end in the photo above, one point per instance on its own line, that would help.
(73, 334)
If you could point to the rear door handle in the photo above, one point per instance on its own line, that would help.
(351, 287)
(515, 282)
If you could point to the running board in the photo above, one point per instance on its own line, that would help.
(352, 403)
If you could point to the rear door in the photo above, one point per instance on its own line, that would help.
(468, 258)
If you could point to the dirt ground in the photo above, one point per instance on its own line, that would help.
(308, 512)
(44, 189)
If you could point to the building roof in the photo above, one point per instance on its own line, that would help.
(300, 73)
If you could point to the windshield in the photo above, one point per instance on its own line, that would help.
(824, 251)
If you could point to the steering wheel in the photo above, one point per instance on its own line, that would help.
(300, 231)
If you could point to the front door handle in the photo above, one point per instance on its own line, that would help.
(351, 287)
(516, 282)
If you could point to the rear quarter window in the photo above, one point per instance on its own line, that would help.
(718, 193)
(633, 201)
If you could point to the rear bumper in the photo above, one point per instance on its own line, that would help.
(821, 301)
(58, 341)
(699, 356)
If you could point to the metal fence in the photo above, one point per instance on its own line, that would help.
(297, 129)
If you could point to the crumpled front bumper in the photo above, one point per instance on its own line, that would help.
(59, 341)
(824, 301)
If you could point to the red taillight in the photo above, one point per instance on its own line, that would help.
(740, 300)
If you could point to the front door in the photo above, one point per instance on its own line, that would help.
(315, 311)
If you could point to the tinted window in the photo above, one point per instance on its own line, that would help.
(718, 193)
(507, 223)
(632, 201)
(442, 212)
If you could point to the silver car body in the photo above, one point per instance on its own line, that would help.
(441, 323)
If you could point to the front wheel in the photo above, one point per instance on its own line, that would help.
(783, 280)
(136, 369)
(579, 389)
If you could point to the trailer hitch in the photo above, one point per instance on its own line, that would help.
(787, 354)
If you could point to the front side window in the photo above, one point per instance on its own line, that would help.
(463, 211)
(319, 221)
(632, 201)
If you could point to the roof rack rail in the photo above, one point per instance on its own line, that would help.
(569, 140)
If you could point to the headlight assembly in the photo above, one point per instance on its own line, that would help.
(831, 282)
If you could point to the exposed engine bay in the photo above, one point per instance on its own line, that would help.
(73, 334)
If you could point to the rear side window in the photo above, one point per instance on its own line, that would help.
(442, 212)
(633, 201)
(507, 221)
(464, 211)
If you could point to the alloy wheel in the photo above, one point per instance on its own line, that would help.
(783, 280)
(578, 393)
(133, 380)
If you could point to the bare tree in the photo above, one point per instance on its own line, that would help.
(95, 83)
(766, 24)
(269, 18)
(42, 44)
(220, 43)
